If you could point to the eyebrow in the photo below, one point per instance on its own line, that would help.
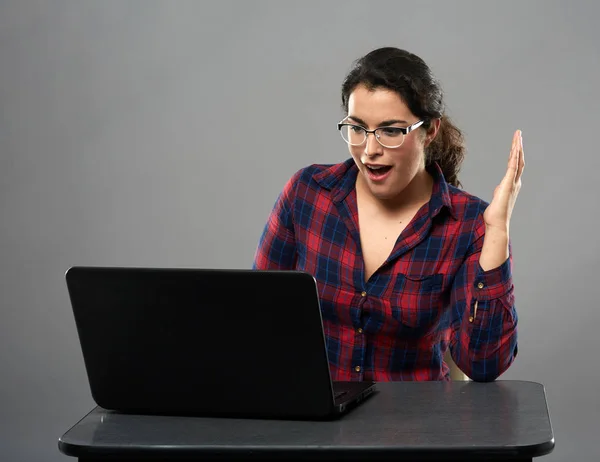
(381, 124)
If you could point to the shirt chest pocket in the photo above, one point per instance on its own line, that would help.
(417, 301)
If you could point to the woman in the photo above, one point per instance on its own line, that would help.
(407, 264)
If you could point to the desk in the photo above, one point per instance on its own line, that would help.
(502, 420)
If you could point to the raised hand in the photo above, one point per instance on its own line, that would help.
(498, 213)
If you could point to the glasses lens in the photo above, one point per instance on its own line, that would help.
(390, 137)
(353, 134)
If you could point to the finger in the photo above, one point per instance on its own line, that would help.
(521, 163)
(513, 159)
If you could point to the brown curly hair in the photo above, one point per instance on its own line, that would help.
(408, 75)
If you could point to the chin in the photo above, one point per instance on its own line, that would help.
(391, 189)
(386, 193)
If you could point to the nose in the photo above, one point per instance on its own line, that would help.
(372, 146)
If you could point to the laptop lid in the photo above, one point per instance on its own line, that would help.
(202, 341)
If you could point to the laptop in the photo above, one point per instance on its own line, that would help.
(207, 342)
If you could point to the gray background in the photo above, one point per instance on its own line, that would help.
(159, 134)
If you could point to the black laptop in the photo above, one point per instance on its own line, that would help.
(210, 342)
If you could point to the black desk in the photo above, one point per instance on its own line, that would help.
(503, 420)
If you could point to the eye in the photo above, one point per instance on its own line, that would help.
(391, 131)
(356, 128)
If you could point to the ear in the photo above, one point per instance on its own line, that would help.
(432, 131)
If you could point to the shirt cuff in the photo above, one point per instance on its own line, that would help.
(493, 284)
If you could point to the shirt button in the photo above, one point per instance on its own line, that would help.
(481, 285)
(470, 318)
(359, 330)
(357, 368)
(363, 294)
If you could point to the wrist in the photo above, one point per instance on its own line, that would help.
(497, 230)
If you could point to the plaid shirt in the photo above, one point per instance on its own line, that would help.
(430, 295)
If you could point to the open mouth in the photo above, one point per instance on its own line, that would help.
(378, 172)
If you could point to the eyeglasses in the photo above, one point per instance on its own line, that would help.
(388, 137)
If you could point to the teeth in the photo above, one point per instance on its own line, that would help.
(376, 167)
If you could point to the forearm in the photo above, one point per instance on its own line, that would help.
(495, 249)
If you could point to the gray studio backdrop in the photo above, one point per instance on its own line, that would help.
(159, 134)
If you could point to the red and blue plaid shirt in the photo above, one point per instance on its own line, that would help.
(430, 295)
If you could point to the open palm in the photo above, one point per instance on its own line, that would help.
(498, 213)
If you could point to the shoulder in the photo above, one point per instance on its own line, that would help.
(466, 204)
(468, 210)
(318, 176)
(306, 174)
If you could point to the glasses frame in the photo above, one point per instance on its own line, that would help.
(404, 130)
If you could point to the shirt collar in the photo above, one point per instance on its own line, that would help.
(340, 179)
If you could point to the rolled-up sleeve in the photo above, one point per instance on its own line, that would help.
(484, 318)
